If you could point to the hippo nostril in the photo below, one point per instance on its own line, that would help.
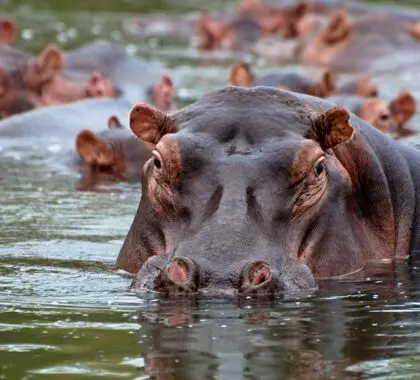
(257, 277)
(259, 274)
(180, 275)
(177, 271)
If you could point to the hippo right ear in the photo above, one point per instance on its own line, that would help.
(331, 128)
(150, 124)
(403, 107)
(241, 75)
(338, 28)
(92, 149)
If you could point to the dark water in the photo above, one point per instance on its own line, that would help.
(64, 314)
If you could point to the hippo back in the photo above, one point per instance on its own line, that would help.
(64, 121)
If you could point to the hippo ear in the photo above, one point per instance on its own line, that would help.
(414, 30)
(331, 128)
(51, 60)
(241, 75)
(210, 31)
(114, 123)
(163, 92)
(403, 107)
(325, 87)
(338, 27)
(42, 69)
(149, 124)
(300, 10)
(92, 149)
(7, 31)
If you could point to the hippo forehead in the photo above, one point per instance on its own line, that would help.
(258, 114)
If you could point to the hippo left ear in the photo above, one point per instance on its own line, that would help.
(331, 128)
(403, 107)
(92, 149)
(150, 124)
(241, 75)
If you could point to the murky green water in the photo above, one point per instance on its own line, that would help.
(64, 314)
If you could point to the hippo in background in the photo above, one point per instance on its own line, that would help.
(260, 190)
(135, 79)
(389, 117)
(297, 81)
(241, 75)
(367, 43)
(28, 83)
(109, 156)
(61, 122)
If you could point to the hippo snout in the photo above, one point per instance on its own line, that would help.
(181, 275)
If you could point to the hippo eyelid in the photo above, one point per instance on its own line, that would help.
(311, 170)
(157, 160)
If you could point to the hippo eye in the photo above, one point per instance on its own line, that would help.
(384, 117)
(319, 167)
(156, 160)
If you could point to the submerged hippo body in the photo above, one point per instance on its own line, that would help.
(65, 120)
(262, 190)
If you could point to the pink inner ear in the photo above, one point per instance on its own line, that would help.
(177, 271)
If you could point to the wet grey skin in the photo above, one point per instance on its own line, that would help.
(228, 225)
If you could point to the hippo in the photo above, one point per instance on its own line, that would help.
(136, 80)
(236, 33)
(391, 117)
(241, 75)
(35, 82)
(258, 191)
(359, 85)
(63, 121)
(111, 155)
(367, 43)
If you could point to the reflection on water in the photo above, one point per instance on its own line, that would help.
(64, 314)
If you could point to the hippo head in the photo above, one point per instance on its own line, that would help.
(362, 86)
(233, 34)
(330, 41)
(388, 117)
(23, 89)
(111, 155)
(254, 191)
